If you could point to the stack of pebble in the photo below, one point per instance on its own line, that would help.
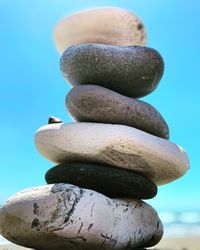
(112, 157)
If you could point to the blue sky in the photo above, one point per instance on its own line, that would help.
(32, 87)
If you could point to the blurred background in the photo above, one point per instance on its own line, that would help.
(32, 89)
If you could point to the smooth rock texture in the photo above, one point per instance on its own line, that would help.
(132, 71)
(110, 181)
(64, 217)
(116, 145)
(53, 119)
(91, 103)
(104, 25)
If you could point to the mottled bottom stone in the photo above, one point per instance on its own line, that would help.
(62, 217)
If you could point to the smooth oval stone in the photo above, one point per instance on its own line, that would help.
(63, 216)
(91, 103)
(112, 182)
(132, 71)
(117, 145)
(104, 25)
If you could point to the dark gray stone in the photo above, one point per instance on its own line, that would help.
(91, 103)
(53, 119)
(133, 71)
(110, 181)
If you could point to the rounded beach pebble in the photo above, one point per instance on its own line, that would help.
(91, 103)
(132, 71)
(117, 145)
(110, 181)
(63, 217)
(104, 25)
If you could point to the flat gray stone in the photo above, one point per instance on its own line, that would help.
(132, 71)
(120, 146)
(91, 103)
(108, 25)
(62, 216)
(110, 181)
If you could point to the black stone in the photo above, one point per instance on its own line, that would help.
(132, 71)
(110, 181)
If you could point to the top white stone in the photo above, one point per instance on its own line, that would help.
(109, 25)
(117, 145)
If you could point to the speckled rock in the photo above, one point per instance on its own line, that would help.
(132, 71)
(91, 103)
(104, 25)
(64, 217)
(116, 145)
(110, 181)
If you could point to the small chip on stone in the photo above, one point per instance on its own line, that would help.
(53, 119)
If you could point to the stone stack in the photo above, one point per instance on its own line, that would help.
(113, 156)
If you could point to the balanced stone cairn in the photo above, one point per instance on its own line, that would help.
(113, 156)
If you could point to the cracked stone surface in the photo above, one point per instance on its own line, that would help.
(63, 216)
(103, 25)
(132, 71)
(117, 145)
(91, 103)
